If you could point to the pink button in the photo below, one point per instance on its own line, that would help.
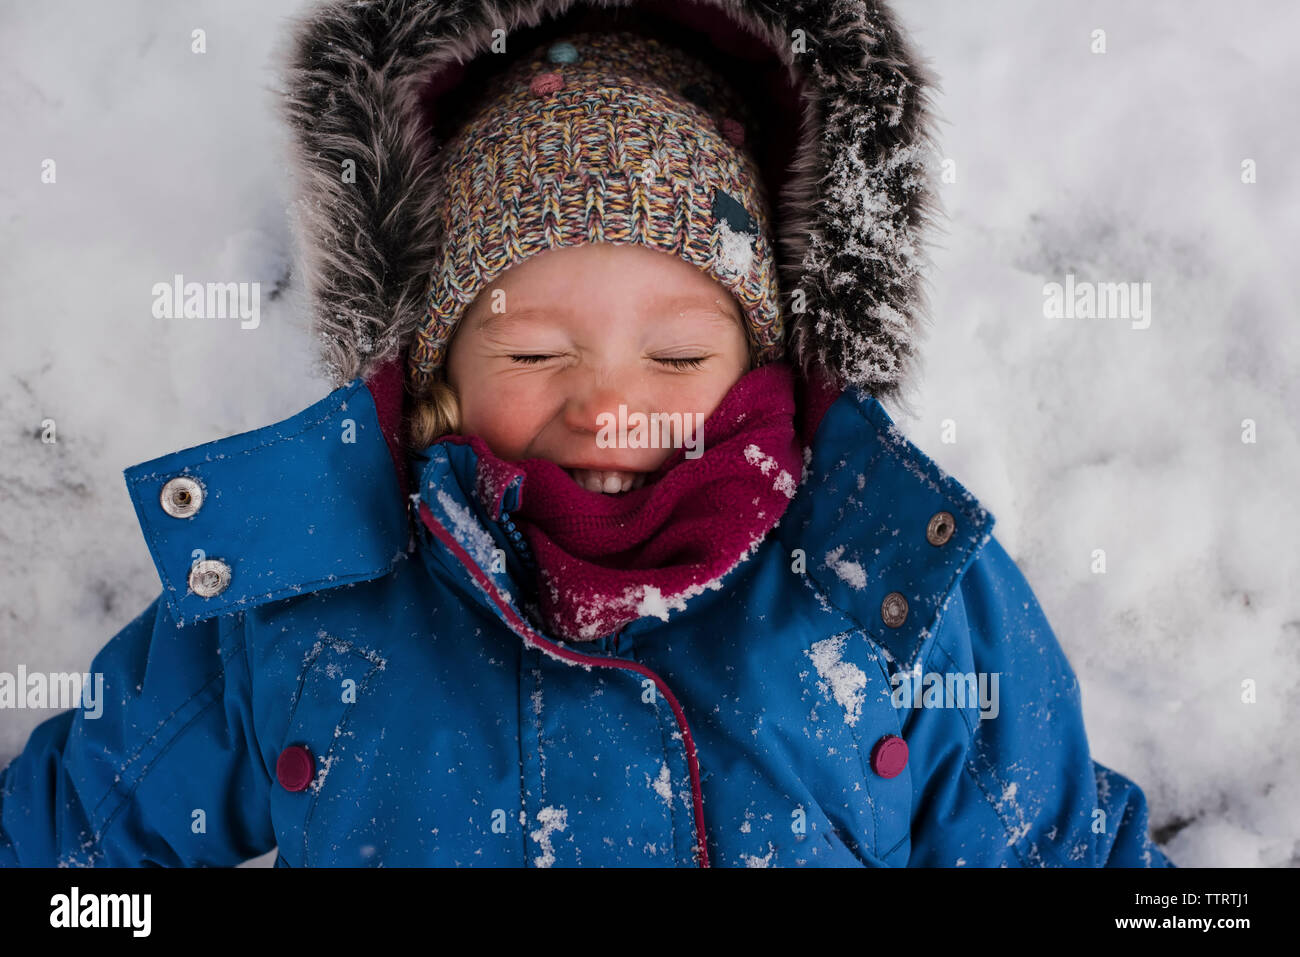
(734, 132)
(889, 756)
(295, 768)
(546, 83)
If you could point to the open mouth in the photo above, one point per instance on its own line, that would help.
(607, 481)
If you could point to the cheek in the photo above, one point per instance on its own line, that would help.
(506, 414)
(706, 394)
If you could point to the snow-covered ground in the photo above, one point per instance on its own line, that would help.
(1077, 433)
(1083, 434)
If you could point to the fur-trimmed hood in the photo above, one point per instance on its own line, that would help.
(373, 88)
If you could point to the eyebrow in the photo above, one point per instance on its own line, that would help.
(713, 308)
(488, 317)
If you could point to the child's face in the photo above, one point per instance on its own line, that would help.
(579, 330)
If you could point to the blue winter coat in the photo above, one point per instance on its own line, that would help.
(437, 728)
(342, 671)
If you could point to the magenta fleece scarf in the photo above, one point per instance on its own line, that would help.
(604, 561)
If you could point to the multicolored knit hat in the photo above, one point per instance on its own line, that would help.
(607, 137)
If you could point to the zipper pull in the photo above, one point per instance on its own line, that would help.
(517, 541)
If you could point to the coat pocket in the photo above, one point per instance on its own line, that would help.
(336, 675)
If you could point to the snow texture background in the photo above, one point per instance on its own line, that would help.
(1076, 433)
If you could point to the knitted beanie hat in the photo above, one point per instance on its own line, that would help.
(610, 137)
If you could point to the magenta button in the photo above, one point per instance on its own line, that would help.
(295, 768)
(889, 756)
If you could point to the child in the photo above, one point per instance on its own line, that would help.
(762, 629)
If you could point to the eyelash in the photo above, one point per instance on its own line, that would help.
(693, 362)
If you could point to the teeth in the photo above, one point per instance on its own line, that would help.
(607, 482)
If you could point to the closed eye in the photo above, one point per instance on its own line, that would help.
(694, 362)
(691, 362)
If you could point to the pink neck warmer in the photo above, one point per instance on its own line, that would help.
(604, 561)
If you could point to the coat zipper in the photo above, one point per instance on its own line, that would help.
(569, 656)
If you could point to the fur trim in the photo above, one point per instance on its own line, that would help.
(851, 215)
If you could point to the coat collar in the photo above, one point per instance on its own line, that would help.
(876, 521)
(307, 503)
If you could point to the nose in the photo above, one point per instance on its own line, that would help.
(589, 400)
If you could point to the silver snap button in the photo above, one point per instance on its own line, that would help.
(209, 577)
(894, 609)
(181, 497)
(940, 529)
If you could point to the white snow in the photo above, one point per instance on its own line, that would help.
(663, 784)
(851, 572)
(326, 762)
(753, 860)
(467, 529)
(737, 252)
(551, 819)
(842, 680)
(783, 482)
(653, 603)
